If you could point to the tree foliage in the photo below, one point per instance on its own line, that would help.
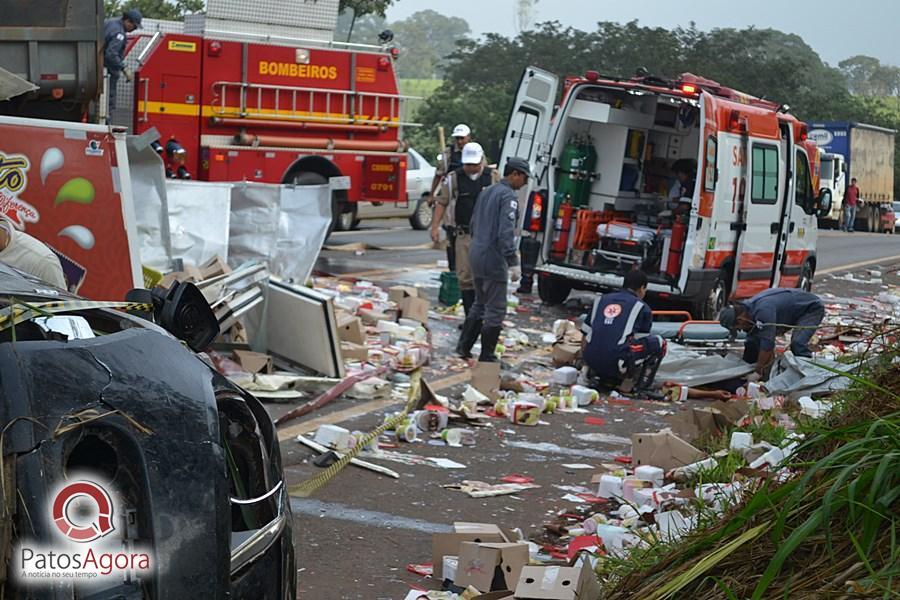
(155, 9)
(481, 76)
(866, 76)
(365, 7)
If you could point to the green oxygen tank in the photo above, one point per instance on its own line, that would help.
(567, 170)
(582, 195)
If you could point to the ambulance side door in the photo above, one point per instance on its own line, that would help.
(801, 232)
(762, 218)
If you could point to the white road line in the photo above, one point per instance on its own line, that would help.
(342, 512)
(865, 263)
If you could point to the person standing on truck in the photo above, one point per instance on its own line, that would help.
(461, 189)
(851, 204)
(617, 346)
(494, 259)
(114, 42)
(29, 255)
(450, 160)
(769, 313)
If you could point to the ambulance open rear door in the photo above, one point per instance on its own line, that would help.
(528, 128)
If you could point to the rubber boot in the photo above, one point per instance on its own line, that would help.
(489, 338)
(470, 332)
(527, 283)
(468, 299)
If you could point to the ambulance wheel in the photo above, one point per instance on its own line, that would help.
(421, 219)
(553, 290)
(806, 278)
(708, 308)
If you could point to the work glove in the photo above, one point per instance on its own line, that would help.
(515, 273)
(435, 235)
(126, 72)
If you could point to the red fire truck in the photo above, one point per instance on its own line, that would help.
(741, 219)
(249, 106)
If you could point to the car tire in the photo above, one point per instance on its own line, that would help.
(553, 290)
(805, 281)
(709, 307)
(424, 214)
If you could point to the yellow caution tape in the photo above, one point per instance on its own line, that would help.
(20, 311)
(306, 488)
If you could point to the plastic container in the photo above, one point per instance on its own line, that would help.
(650, 473)
(610, 487)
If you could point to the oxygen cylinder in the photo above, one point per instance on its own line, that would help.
(582, 196)
(569, 164)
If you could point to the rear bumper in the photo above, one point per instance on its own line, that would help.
(699, 281)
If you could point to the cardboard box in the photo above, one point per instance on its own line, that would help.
(565, 353)
(663, 449)
(490, 567)
(253, 362)
(214, 267)
(711, 418)
(371, 317)
(498, 595)
(351, 329)
(397, 293)
(351, 351)
(415, 309)
(447, 544)
(558, 583)
(486, 378)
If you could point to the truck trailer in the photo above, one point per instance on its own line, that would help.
(867, 152)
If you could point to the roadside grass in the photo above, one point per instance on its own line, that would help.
(828, 531)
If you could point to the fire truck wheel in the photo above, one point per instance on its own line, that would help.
(806, 278)
(709, 307)
(553, 290)
(421, 218)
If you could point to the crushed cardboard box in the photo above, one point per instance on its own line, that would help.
(357, 352)
(415, 309)
(447, 544)
(350, 328)
(714, 417)
(253, 362)
(490, 566)
(486, 378)
(663, 449)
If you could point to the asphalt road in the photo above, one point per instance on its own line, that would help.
(355, 537)
(835, 249)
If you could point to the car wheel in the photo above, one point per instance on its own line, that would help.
(709, 307)
(553, 290)
(310, 178)
(423, 215)
(806, 278)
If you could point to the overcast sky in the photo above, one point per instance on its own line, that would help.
(836, 29)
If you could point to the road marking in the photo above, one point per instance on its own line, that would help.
(342, 512)
(865, 263)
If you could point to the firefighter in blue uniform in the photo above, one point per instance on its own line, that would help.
(114, 42)
(617, 346)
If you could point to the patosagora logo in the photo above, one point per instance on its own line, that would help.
(80, 499)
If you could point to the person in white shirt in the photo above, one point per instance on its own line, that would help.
(29, 255)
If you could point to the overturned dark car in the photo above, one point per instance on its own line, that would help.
(191, 461)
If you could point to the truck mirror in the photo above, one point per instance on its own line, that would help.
(824, 202)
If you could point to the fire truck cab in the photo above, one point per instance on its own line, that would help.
(235, 99)
(606, 197)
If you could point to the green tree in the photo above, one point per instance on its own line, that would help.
(365, 7)
(155, 9)
(424, 39)
(866, 76)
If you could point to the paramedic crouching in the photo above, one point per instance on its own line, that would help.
(493, 259)
(771, 312)
(617, 347)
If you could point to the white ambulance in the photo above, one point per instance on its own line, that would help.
(711, 192)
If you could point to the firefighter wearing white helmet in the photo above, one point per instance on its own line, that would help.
(454, 208)
(450, 160)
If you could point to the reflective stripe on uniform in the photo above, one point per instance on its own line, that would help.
(632, 319)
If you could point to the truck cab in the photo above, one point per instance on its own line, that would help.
(833, 176)
(711, 192)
